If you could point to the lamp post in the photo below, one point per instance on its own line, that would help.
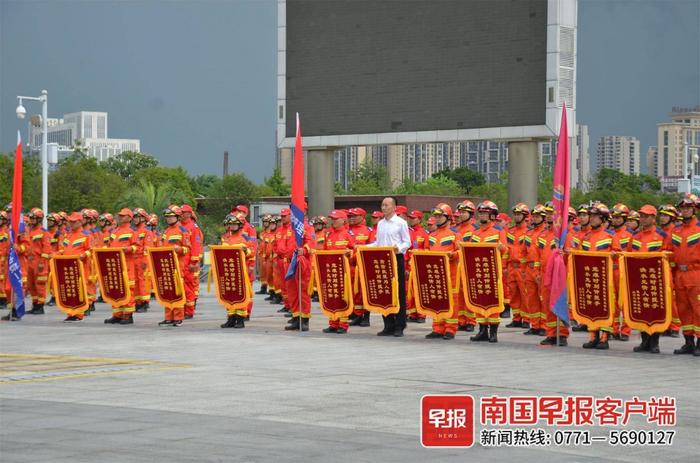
(21, 112)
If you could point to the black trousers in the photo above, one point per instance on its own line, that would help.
(397, 321)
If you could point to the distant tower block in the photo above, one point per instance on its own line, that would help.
(225, 163)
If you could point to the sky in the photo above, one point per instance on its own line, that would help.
(193, 78)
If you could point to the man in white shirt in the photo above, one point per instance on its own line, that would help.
(392, 231)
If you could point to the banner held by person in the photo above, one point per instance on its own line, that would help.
(111, 270)
(376, 266)
(645, 291)
(167, 279)
(230, 274)
(481, 274)
(69, 285)
(432, 284)
(332, 273)
(591, 288)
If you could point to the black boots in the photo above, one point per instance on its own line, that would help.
(230, 321)
(515, 324)
(493, 333)
(644, 346)
(483, 334)
(297, 325)
(112, 321)
(11, 317)
(263, 290)
(37, 309)
(128, 320)
(270, 296)
(506, 311)
(365, 319)
(593, 342)
(142, 307)
(688, 347)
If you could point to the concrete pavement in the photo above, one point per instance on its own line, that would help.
(100, 393)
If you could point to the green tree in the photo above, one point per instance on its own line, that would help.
(464, 176)
(369, 179)
(276, 183)
(436, 185)
(234, 189)
(128, 163)
(81, 182)
(175, 178)
(31, 180)
(153, 198)
(202, 184)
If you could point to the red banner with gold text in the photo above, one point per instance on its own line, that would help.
(380, 286)
(110, 266)
(482, 280)
(332, 273)
(432, 283)
(645, 291)
(591, 288)
(231, 276)
(68, 282)
(168, 284)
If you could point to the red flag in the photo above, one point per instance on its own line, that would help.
(17, 187)
(297, 206)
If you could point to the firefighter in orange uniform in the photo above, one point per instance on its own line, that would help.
(649, 238)
(319, 224)
(191, 272)
(53, 224)
(419, 241)
(465, 227)
(4, 253)
(338, 238)
(599, 239)
(145, 240)
(685, 245)
(124, 237)
(177, 237)
(235, 235)
(298, 286)
(284, 239)
(547, 243)
(445, 239)
(622, 237)
(667, 215)
(374, 219)
(270, 259)
(38, 255)
(516, 236)
(77, 242)
(531, 274)
(361, 237)
(262, 254)
(488, 231)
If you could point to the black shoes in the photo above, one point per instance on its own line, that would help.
(112, 321)
(552, 341)
(169, 322)
(448, 336)
(127, 321)
(493, 333)
(483, 334)
(515, 324)
(433, 335)
(364, 321)
(330, 329)
(688, 347)
(230, 321)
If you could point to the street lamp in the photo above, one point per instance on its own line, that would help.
(21, 112)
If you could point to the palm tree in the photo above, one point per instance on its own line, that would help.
(153, 198)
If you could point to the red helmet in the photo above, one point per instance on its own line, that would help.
(466, 205)
(489, 206)
(688, 200)
(648, 209)
(634, 215)
(141, 212)
(538, 210)
(54, 217)
(600, 209)
(668, 209)
(522, 208)
(572, 213)
(36, 212)
(620, 210)
(172, 211)
(442, 209)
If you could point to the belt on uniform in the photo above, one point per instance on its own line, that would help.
(533, 264)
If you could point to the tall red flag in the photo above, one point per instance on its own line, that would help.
(555, 279)
(17, 187)
(297, 205)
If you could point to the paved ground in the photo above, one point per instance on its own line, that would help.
(102, 393)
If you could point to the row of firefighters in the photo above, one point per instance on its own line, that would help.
(525, 242)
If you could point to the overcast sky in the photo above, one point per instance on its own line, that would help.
(194, 78)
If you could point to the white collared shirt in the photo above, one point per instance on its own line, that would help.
(393, 232)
